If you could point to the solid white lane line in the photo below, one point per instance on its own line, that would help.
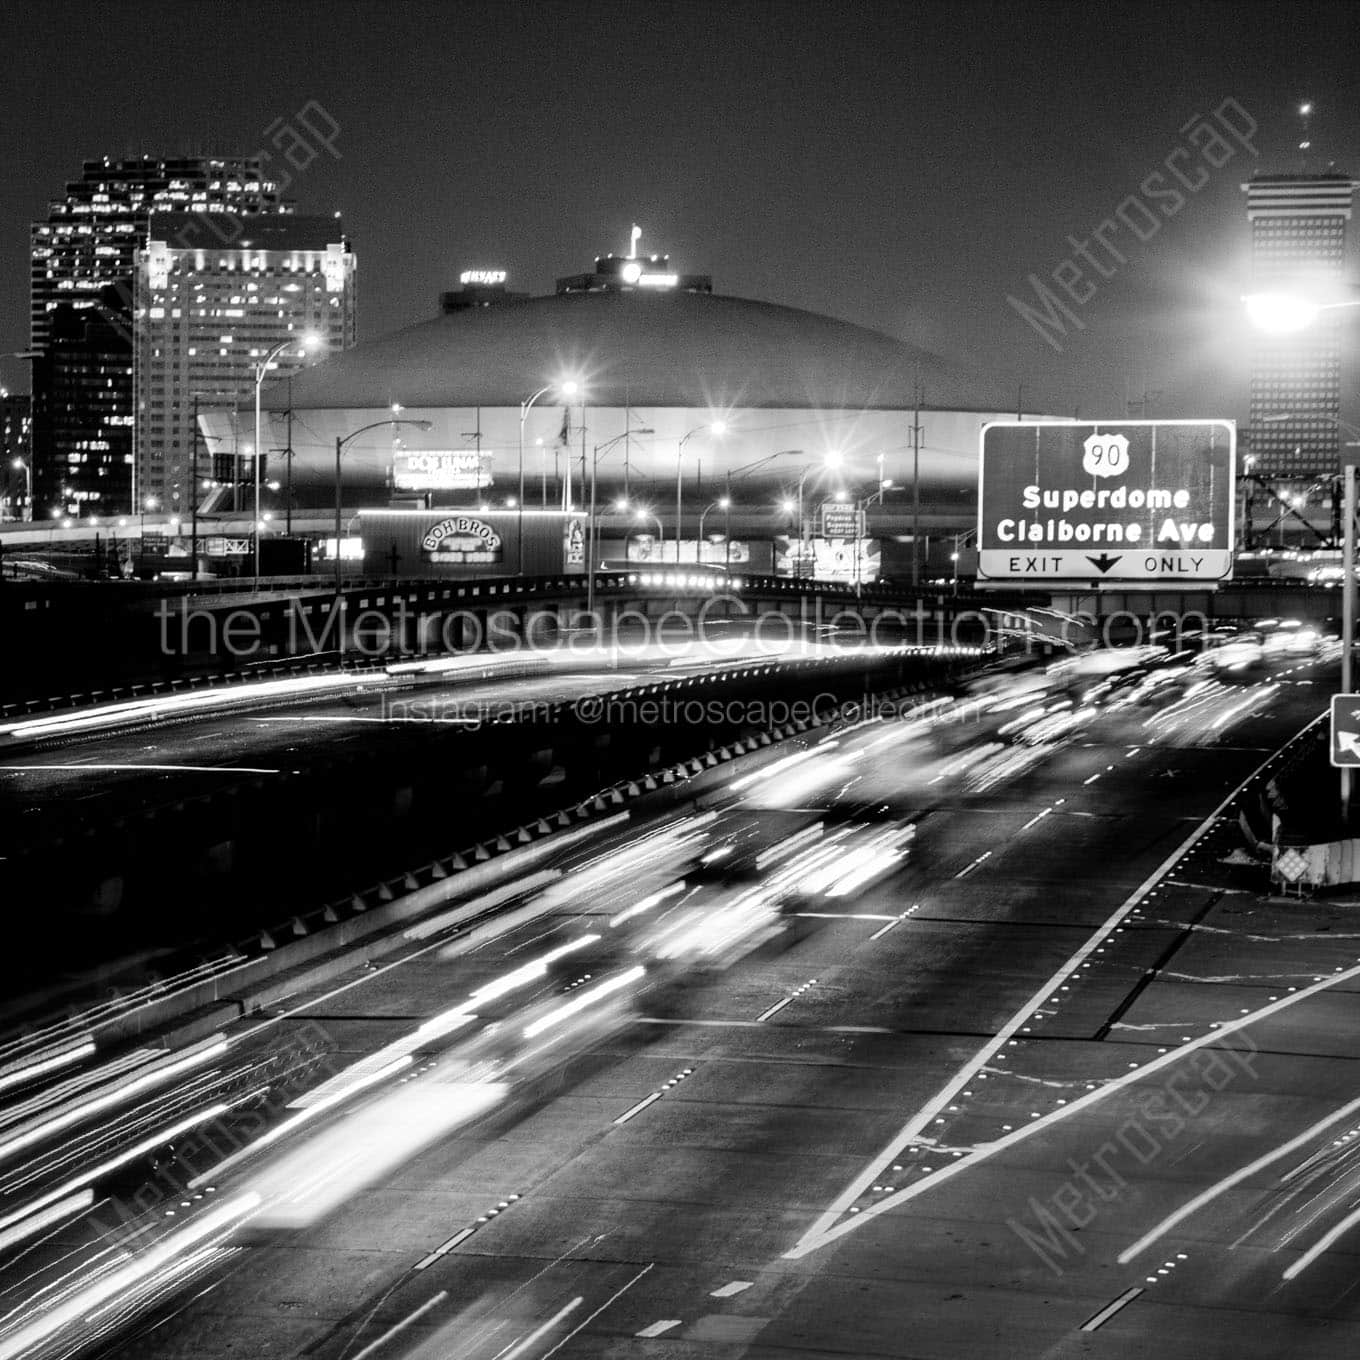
(539, 1332)
(657, 1328)
(638, 1108)
(1227, 1183)
(183, 769)
(444, 1248)
(618, 1294)
(1322, 1245)
(1099, 1319)
(963, 873)
(402, 1325)
(880, 933)
(774, 1010)
(986, 1151)
(726, 1292)
(1092, 779)
(823, 1231)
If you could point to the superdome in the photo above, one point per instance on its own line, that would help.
(677, 348)
(678, 398)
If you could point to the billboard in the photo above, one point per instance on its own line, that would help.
(1110, 501)
(440, 470)
(460, 539)
(841, 520)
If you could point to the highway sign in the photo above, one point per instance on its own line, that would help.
(1346, 730)
(840, 520)
(1110, 501)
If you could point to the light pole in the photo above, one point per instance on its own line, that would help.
(830, 461)
(591, 521)
(639, 515)
(340, 442)
(28, 488)
(717, 428)
(568, 387)
(722, 503)
(149, 503)
(307, 342)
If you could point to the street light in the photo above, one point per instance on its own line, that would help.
(722, 503)
(639, 515)
(1288, 313)
(832, 460)
(567, 387)
(308, 342)
(717, 428)
(340, 442)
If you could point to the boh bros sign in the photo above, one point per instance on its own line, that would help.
(461, 539)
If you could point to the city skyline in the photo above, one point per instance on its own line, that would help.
(921, 199)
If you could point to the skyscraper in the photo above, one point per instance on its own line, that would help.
(16, 425)
(208, 311)
(82, 260)
(1298, 240)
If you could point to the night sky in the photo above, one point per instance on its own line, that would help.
(904, 166)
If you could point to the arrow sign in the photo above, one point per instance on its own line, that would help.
(1346, 729)
(1103, 563)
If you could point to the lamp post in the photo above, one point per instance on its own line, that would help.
(639, 515)
(340, 442)
(591, 520)
(830, 461)
(568, 387)
(717, 428)
(149, 503)
(308, 342)
(722, 503)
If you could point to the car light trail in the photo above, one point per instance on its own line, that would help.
(530, 972)
(161, 1073)
(582, 1001)
(165, 1254)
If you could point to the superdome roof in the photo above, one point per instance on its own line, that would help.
(684, 349)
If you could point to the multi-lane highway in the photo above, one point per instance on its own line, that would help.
(965, 1034)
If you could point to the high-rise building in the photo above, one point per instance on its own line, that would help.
(206, 314)
(1298, 245)
(82, 260)
(16, 439)
(82, 418)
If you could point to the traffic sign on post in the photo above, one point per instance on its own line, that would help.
(1346, 730)
(1111, 502)
(840, 520)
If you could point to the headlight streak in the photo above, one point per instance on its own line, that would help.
(529, 972)
(313, 1108)
(19, 1074)
(55, 1211)
(181, 705)
(183, 1061)
(129, 1154)
(218, 1221)
(54, 1095)
(647, 903)
(583, 1000)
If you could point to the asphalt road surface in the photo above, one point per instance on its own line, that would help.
(1064, 1083)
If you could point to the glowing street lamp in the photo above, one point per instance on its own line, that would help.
(717, 428)
(566, 387)
(308, 342)
(1288, 313)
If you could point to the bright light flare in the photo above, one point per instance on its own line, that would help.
(1280, 313)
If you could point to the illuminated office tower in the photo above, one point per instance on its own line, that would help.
(208, 312)
(1298, 245)
(82, 260)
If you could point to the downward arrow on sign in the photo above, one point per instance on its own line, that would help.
(1103, 563)
(1349, 742)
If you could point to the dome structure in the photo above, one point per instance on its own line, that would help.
(633, 384)
(677, 349)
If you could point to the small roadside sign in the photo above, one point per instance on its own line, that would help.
(1346, 730)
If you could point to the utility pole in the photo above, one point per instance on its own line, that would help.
(193, 497)
(916, 485)
(288, 507)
